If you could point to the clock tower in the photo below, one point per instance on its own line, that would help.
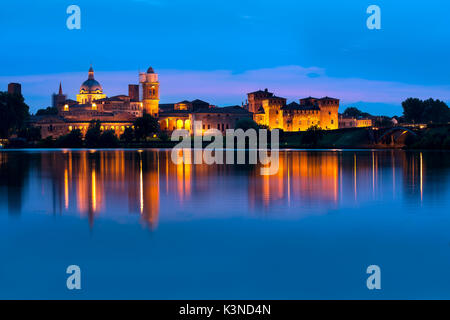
(150, 92)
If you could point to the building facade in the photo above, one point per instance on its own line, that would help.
(273, 112)
(351, 122)
(119, 112)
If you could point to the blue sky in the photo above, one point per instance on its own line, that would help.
(218, 50)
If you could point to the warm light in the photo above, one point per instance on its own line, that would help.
(66, 107)
(66, 189)
(70, 128)
(94, 106)
(94, 193)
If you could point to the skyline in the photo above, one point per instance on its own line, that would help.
(219, 53)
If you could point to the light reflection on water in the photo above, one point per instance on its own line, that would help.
(109, 191)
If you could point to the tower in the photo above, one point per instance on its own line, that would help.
(150, 92)
(59, 99)
(14, 88)
(328, 113)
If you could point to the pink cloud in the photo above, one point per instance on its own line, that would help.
(225, 87)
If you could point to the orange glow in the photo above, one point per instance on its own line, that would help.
(66, 189)
(94, 191)
(421, 177)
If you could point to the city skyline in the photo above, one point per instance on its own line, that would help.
(218, 53)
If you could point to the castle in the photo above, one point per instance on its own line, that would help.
(119, 112)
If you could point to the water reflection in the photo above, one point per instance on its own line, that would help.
(146, 184)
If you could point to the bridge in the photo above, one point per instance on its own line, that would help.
(396, 136)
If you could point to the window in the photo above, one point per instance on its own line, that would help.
(332, 121)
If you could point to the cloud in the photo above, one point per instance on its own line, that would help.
(222, 87)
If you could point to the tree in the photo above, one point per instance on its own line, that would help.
(312, 136)
(418, 111)
(127, 135)
(413, 109)
(93, 133)
(435, 111)
(145, 126)
(246, 123)
(108, 139)
(30, 133)
(74, 139)
(13, 113)
(355, 113)
(47, 111)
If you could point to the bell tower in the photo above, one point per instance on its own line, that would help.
(150, 92)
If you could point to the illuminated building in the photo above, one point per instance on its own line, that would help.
(119, 112)
(273, 112)
(150, 91)
(90, 90)
(352, 122)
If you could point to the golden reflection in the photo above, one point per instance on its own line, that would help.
(66, 189)
(141, 186)
(303, 176)
(421, 177)
(354, 175)
(117, 182)
(94, 191)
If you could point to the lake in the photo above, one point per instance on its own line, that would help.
(142, 227)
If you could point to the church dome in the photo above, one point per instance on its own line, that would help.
(91, 85)
(150, 70)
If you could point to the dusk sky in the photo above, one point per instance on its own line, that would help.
(218, 51)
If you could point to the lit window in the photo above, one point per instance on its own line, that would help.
(70, 128)
(66, 107)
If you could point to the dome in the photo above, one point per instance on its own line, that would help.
(91, 85)
(150, 70)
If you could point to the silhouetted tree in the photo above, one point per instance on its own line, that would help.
(418, 111)
(92, 137)
(312, 136)
(246, 123)
(47, 111)
(127, 135)
(108, 139)
(74, 139)
(30, 133)
(13, 113)
(355, 113)
(145, 126)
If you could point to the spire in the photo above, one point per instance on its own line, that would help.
(60, 89)
(91, 73)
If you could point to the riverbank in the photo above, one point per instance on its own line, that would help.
(351, 138)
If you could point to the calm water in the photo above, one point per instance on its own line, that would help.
(141, 227)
